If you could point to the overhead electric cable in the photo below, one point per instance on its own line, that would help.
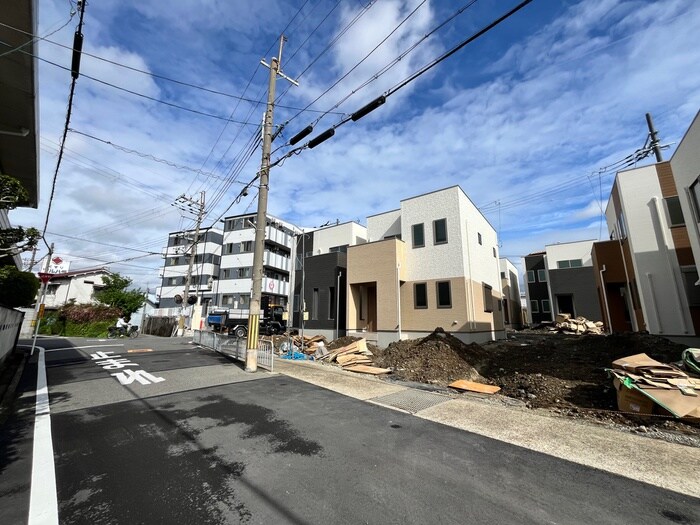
(381, 99)
(75, 72)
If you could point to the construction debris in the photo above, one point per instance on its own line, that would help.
(311, 344)
(646, 386)
(354, 357)
(577, 326)
(471, 386)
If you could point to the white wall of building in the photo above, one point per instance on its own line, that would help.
(659, 282)
(685, 164)
(79, 288)
(567, 251)
(350, 233)
(383, 225)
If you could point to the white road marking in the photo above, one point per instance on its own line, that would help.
(43, 499)
(81, 347)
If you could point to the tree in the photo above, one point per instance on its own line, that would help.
(115, 293)
(17, 288)
(18, 239)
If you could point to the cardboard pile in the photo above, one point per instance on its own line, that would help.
(354, 357)
(645, 386)
(578, 326)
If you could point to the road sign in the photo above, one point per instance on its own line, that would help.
(45, 277)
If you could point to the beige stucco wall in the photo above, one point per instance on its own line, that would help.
(375, 263)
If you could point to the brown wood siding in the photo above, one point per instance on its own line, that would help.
(668, 185)
(681, 242)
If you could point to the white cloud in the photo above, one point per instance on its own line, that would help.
(559, 102)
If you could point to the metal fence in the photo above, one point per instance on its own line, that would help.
(235, 347)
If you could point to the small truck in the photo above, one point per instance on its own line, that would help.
(235, 320)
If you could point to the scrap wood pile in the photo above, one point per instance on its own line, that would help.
(311, 344)
(577, 326)
(646, 386)
(355, 357)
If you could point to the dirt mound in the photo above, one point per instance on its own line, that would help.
(439, 358)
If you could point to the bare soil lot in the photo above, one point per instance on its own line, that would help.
(563, 374)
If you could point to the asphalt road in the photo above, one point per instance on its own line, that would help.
(195, 439)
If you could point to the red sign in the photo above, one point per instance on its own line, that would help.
(45, 277)
(57, 260)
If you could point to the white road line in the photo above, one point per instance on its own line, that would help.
(43, 500)
(81, 347)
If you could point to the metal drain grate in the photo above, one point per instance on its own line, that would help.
(411, 400)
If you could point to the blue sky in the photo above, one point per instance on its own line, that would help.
(522, 119)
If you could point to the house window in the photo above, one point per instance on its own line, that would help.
(542, 276)
(690, 277)
(571, 263)
(228, 248)
(338, 249)
(503, 275)
(172, 281)
(531, 276)
(227, 299)
(488, 297)
(478, 238)
(694, 191)
(545, 306)
(331, 303)
(420, 295)
(418, 235)
(314, 305)
(444, 297)
(440, 231)
(534, 307)
(246, 246)
(227, 273)
(52, 289)
(494, 252)
(675, 214)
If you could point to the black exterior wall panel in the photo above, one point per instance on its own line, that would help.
(322, 273)
(580, 284)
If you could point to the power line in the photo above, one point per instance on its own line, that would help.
(148, 156)
(136, 93)
(102, 243)
(75, 67)
(35, 37)
(357, 115)
(142, 71)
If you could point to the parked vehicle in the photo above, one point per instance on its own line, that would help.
(114, 332)
(235, 321)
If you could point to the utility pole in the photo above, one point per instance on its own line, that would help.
(251, 358)
(654, 139)
(190, 203)
(39, 306)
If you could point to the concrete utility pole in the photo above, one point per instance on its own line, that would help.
(251, 359)
(39, 306)
(654, 139)
(193, 252)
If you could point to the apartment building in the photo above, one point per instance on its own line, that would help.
(223, 263)
(646, 272)
(235, 279)
(321, 271)
(431, 263)
(205, 268)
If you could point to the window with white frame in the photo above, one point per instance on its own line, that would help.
(534, 306)
(542, 276)
(531, 276)
(545, 306)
